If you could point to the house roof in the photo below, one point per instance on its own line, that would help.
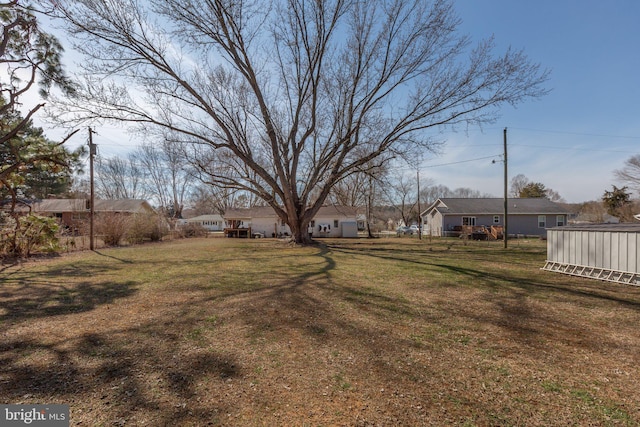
(633, 227)
(268, 212)
(80, 205)
(123, 205)
(254, 212)
(214, 217)
(495, 206)
(339, 211)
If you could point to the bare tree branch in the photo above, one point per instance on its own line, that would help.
(288, 98)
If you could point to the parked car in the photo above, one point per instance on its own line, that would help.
(401, 231)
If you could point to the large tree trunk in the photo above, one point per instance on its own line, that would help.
(298, 222)
(300, 233)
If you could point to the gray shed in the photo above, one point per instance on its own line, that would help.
(598, 251)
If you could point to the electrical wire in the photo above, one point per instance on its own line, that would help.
(463, 161)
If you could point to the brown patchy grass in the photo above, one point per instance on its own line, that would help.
(352, 332)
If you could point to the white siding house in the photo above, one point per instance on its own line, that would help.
(335, 221)
(208, 222)
(330, 221)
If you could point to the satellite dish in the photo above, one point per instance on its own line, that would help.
(637, 217)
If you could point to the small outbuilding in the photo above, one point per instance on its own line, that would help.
(599, 251)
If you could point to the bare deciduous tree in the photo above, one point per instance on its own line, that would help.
(361, 190)
(554, 196)
(400, 191)
(630, 173)
(431, 192)
(207, 198)
(118, 178)
(351, 191)
(468, 193)
(521, 186)
(518, 183)
(168, 176)
(286, 98)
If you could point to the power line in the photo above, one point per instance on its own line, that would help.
(463, 161)
(421, 167)
(595, 150)
(577, 133)
(561, 132)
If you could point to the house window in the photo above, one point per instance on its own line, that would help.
(335, 223)
(468, 220)
(560, 220)
(313, 223)
(542, 221)
(496, 219)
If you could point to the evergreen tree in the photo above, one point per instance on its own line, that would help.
(32, 166)
(617, 201)
(534, 189)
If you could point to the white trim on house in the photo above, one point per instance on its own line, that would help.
(208, 222)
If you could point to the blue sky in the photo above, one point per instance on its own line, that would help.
(573, 139)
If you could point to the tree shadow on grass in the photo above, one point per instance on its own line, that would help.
(163, 371)
(167, 370)
(125, 261)
(507, 300)
(125, 376)
(58, 289)
(46, 299)
(537, 282)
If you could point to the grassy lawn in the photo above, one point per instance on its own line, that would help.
(352, 332)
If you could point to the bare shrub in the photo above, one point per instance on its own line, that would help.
(146, 227)
(192, 230)
(112, 227)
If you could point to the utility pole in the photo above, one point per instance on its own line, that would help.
(370, 205)
(92, 153)
(506, 200)
(419, 213)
